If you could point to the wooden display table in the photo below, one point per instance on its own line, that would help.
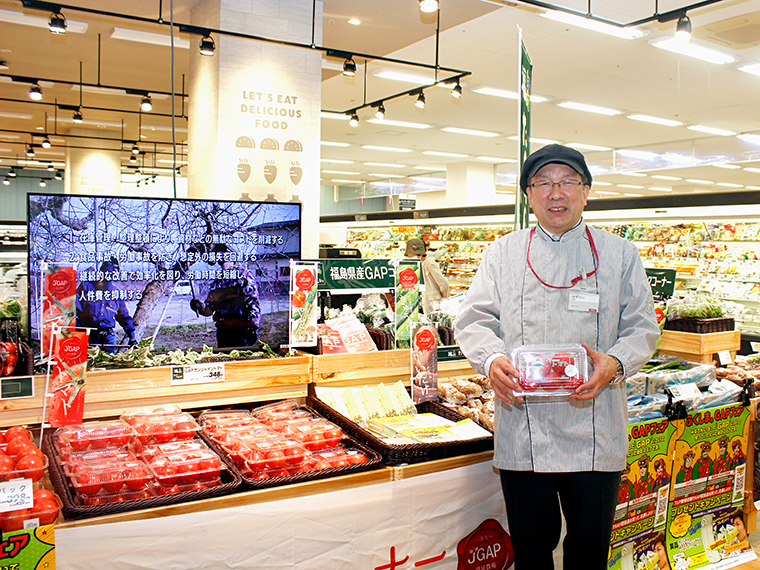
(700, 348)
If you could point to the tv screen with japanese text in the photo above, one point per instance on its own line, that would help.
(183, 272)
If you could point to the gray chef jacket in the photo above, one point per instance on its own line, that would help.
(507, 307)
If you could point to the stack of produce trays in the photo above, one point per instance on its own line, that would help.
(284, 443)
(147, 458)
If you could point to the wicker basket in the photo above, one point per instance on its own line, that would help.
(230, 482)
(411, 452)
(700, 326)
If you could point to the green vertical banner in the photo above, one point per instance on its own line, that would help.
(408, 299)
(526, 74)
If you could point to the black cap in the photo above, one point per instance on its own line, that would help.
(415, 246)
(552, 153)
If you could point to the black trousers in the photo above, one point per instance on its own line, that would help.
(535, 504)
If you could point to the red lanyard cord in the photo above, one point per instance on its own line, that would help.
(574, 281)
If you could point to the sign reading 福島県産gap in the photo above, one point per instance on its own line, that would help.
(358, 275)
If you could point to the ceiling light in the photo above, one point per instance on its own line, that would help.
(334, 143)
(148, 38)
(441, 153)
(752, 187)
(698, 181)
(77, 118)
(43, 183)
(494, 159)
(753, 68)
(589, 108)
(582, 146)
(683, 29)
(594, 25)
(726, 165)
(607, 192)
(456, 92)
(405, 124)
(693, 50)
(636, 174)
(750, 169)
(35, 93)
(45, 143)
(754, 139)
(385, 164)
(336, 161)
(12, 173)
(341, 172)
(730, 185)
(354, 21)
(6, 181)
(507, 94)
(145, 103)
(334, 115)
(660, 189)
(132, 159)
(598, 183)
(50, 167)
(29, 150)
(633, 195)
(135, 149)
(381, 175)
(137, 171)
(473, 132)
(628, 186)
(349, 67)
(354, 120)
(13, 17)
(58, 175)
(711, 130)
(428, 5)
(655, 120)
(380, 113)
(420, 102)
(207, 45)
(386, 148)
(346, 181)
(3, 64)
(57, 23)
(665, 177)
(178, 172)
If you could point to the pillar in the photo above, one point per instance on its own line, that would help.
(91, 170)
(254, 108)
(470, 184)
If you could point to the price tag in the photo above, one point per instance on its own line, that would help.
(15, 495)
(684, 391)
(197, 373)
(755, 346)
(724, 357)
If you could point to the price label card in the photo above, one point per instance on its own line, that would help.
(684, 391)
(755, 346)
(197, 373)
(15, 495)
(724, 356)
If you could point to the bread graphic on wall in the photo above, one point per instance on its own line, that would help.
(244, 142)
(296, 172)
(270, 171)
(243, 169)
(269, 144)
(293, 146)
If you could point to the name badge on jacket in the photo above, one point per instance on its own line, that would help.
(583, 302)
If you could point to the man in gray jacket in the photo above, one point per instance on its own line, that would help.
(560, 282)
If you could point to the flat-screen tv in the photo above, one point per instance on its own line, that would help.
(184, 272)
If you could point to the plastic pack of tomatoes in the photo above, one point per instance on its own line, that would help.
(45, 508)
(550, 370)
(161, 427)
(91, 436)
(20, 458)
(183, 466)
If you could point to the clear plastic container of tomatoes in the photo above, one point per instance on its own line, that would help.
(45, 509)
(90, 436)
(334, 458)
(550, 370)
(316, 434)
(178, 464)
(223, 424)
(157, 410)
(279, 410)
(162, 428)
(107, 473)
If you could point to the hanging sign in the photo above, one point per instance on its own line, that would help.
(358, 275)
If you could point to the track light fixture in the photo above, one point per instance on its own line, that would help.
(420, 102)
(207, 45)
(29, 150)
(428, 5)
(50, 167)
(43, 183)
(349, 67)
(137, 172)
(135, 149)
(178, 171)
(146, 104)
(77, 118)
(6, 181)
(380, 113)
(35, 93)
(13, 173)
(45, 142)
(683, 29)
(132, 159)
(57, 23)
(456, 92)
(354, 120)
(58, 175)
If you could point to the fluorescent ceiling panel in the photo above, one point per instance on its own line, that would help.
(588, 108)
(473, 132)
(594, 25)
(711, 130)
(655, 120)
(692, 49)
(507, 94)
(148, 38)
(393, 123)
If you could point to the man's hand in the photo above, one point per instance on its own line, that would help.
(502, 374)
(605, 368)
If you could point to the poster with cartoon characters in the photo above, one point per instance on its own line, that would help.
(705, 526)
(639, 528)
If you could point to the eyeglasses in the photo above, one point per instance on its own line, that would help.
(563, 185)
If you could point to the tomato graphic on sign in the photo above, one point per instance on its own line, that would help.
(425, 340)
(305, 280)
(407, 278)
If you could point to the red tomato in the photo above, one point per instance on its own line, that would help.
(354, 458)
(33, 450)
(333, 437)
(314, 441)
(275, 459)
(144, 431)
(45, 510)
(209, 468)
(98, 439)
(163, 432)
(197, 486)
(118, 438)
(7, 465)
(112, 481)
(135, 478)
(13, 520)
(184, 430)
(169, 490)
(14, 446)
(87, 483)
(166, 475)
(340, 462)
(43, 495)
(187, 473)
(294, 455)
(31, 466)
(92, 501)
(17, 431)
(257, 463)
(279, 473)
(560, 360)
(260, 475)
(79, 440)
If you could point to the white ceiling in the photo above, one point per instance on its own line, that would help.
(570, 64)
